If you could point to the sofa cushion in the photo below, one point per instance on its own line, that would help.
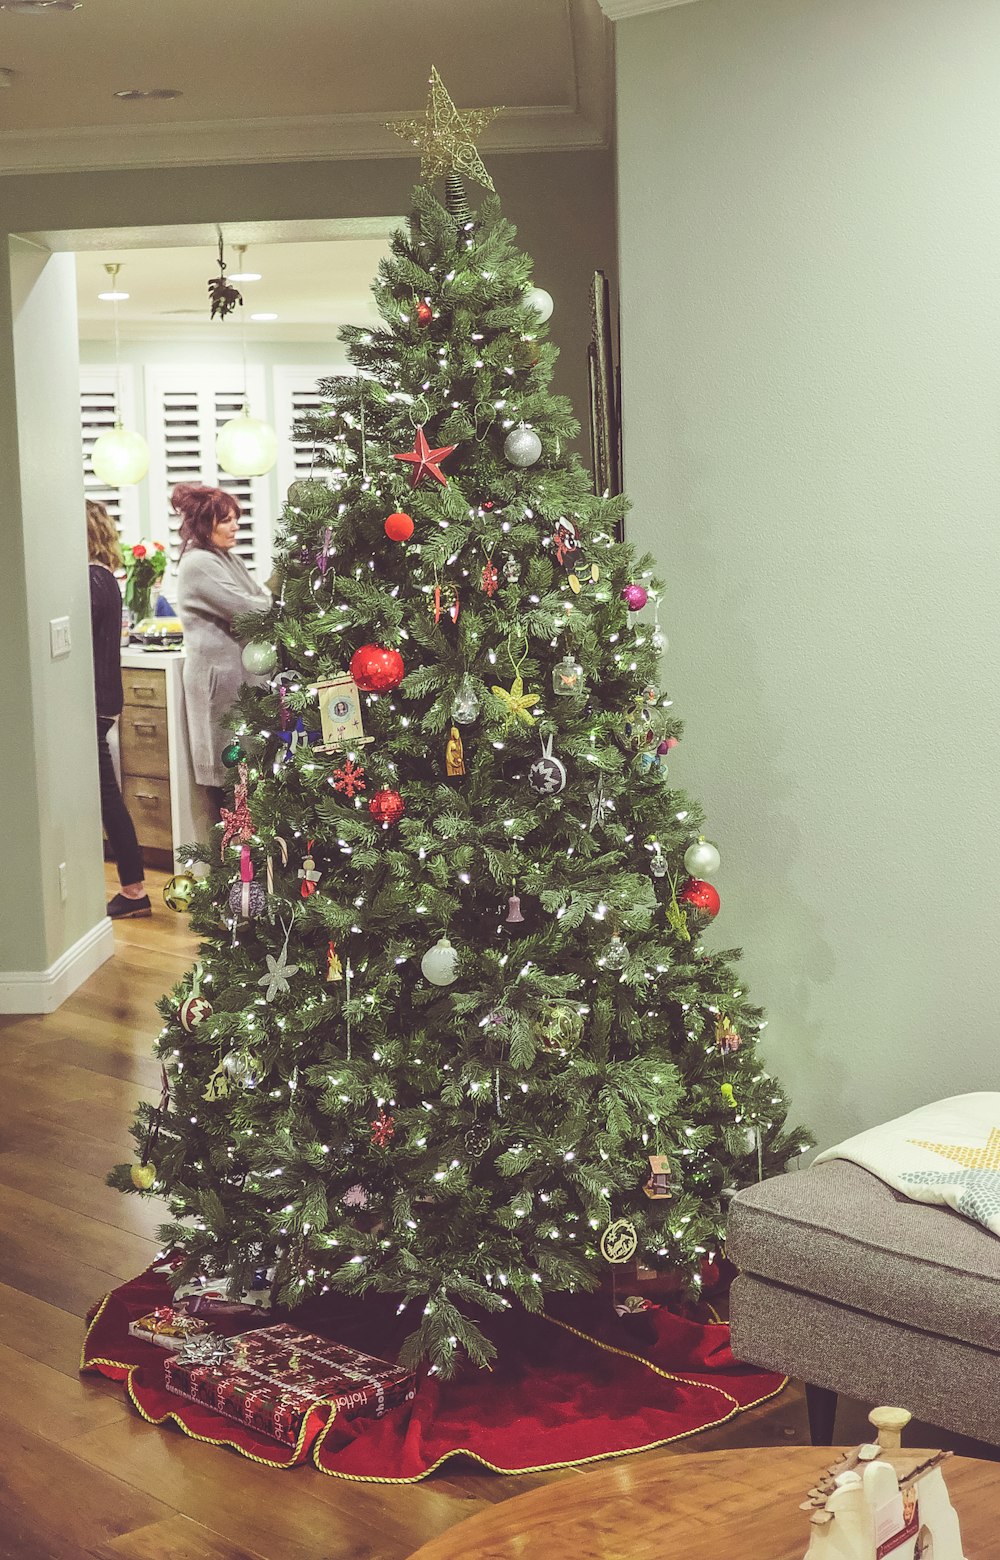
(838, 1232)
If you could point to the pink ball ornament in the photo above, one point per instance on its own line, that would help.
(634, 597)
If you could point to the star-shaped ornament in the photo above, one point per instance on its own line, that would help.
(517, 704)
(446, 136)
(278, 972)
(349, 778)
(424, 460)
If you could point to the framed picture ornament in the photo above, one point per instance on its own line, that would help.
(340, 714)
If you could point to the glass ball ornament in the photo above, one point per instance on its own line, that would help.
(259, 659)
(387, 807)
(142, 1176)
(242, 1067)
(177, 891)
(246, 447)
(232, 755)
(617, 954)
(559, 1028)
(465, 706)
(702, 858)
(634, 597)
(439, 964)
(659, 641)
(540, 302)
(701, 896)
(120, 457)
(522, 445)
(567, 677)
(658, 864)
(377, 669)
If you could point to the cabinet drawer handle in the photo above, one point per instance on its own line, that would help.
(147, 796)
(142, 688)
(145, 725)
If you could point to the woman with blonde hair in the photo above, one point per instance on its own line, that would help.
(105, 554)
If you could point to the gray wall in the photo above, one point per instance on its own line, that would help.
(563, 206)
(810, 240)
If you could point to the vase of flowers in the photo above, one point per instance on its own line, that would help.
(144, 569)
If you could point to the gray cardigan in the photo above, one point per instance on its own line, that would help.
(212, 588)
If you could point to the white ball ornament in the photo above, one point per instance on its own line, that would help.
(439, 964)
(540, 301)
(259, 659)
(246, 447)
(120, 457)
(702, 859)
(522, 445)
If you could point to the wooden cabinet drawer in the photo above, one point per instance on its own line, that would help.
(142, 687)
(148, 800)
(143, 738)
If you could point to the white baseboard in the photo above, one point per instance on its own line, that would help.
(42, 991)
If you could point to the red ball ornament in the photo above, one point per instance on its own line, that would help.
(701, 896)
(399, 527)
(386, 806)
(376, 669)
(424, 313)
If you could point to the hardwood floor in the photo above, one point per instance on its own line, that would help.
(80, 1473)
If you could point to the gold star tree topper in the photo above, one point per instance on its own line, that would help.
(446, 136)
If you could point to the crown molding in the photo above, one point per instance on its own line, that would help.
(617, 10)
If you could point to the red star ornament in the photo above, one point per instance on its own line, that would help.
(425, 461)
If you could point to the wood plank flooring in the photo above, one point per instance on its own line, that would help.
(80, 1474)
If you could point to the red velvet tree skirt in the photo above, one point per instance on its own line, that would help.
(577, 1384)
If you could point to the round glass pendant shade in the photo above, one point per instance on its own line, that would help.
(120, 457)
(246, 447)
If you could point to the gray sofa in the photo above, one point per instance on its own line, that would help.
(854, 1289)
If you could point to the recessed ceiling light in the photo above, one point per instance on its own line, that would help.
(263, 316)
(38, 6)
(146, 94)
(243, 275)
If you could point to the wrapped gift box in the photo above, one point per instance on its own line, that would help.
(273, 1378)
(167, 1327)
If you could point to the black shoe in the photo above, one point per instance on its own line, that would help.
(120, 908)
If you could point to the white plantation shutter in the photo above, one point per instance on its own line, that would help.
(295, 394)
(97, 415)
(185, 409)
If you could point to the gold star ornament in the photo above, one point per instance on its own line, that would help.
(446, 136)
(986, 1157)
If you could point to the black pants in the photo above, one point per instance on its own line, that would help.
(118, 826)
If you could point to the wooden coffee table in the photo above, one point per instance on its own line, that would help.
(736, 1505)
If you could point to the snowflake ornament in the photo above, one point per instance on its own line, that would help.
(349, 778)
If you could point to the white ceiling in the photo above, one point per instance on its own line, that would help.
(270, 81)
(314, 288)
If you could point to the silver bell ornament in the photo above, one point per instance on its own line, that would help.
(617, 955)
(465, 705)
(522, 445)
(439, 964)
(540, 301)
(702, 859)
(511, 570)
(658, 863)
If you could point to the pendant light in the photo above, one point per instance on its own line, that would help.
(120, 457)
(245, 446)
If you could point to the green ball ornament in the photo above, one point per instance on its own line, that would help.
(177, 891)
(259, 659)
(232, 754)
(559, 1028)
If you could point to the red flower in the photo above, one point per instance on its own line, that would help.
(138, 551)
(159, 547)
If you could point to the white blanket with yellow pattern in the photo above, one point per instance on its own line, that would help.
(947, 1153)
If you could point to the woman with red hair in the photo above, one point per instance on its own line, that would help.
(214, 586)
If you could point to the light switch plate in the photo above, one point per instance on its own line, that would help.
(60, 643)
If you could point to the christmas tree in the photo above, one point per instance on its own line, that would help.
(454, 1034)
